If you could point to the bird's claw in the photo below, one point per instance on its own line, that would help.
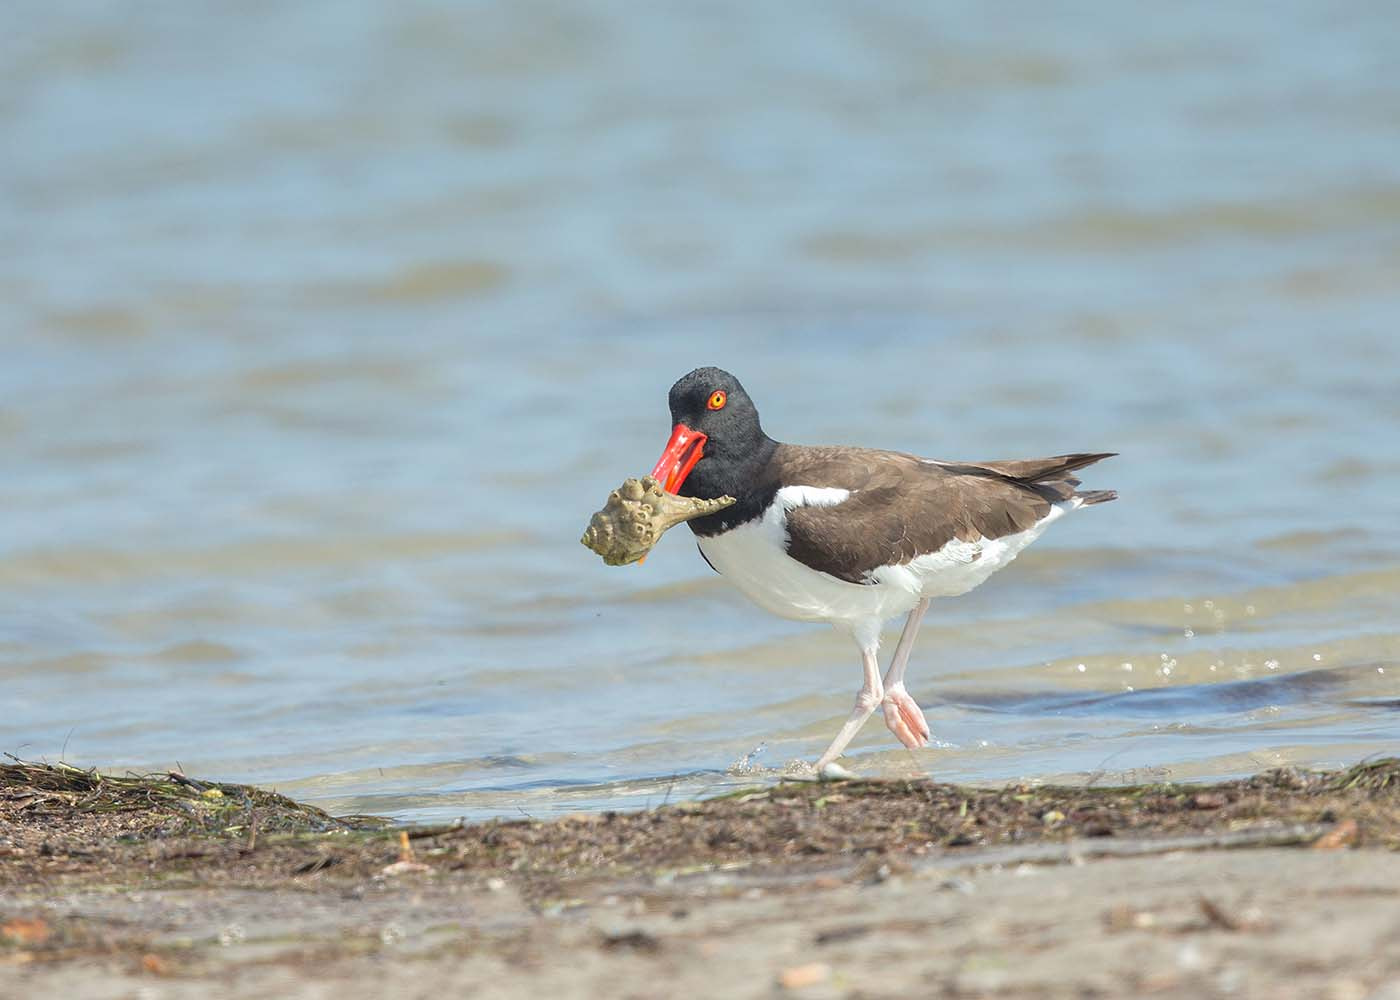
(904, 718)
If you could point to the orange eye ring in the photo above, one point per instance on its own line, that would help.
(717, 399)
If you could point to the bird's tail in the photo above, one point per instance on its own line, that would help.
(1051, 478)
(1088, 497)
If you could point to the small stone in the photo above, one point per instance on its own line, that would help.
(25, 931)
(1344, 834)
(801, 976)
(403, 868)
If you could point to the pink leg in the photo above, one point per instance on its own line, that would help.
(902, 713)
(869, 698)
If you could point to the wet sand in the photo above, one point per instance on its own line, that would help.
(1285, 884)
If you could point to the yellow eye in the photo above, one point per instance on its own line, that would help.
(717, 399)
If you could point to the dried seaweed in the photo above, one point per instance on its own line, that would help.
(168, 804)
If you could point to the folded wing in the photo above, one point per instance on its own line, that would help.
(900, 507)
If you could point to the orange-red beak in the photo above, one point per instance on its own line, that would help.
(682, 452)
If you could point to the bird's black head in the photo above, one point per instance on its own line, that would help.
(715, 435)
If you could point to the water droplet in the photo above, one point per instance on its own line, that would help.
(1189, 633)
(745, 765)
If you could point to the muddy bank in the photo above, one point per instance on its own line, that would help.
(859, 888)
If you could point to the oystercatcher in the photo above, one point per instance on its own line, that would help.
(853, 536)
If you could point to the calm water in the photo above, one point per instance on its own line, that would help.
(326, 327)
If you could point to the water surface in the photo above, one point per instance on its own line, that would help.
(326, 328)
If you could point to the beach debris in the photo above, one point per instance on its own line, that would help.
(403, 868)
(1125, 917)
(1210, 915)
(164, 805)
(406, 865)
(1344, 834)
(633, 940)
(799, 977)
(25, 931)
(317, 864)
(1218, 916)
(154, 965)
(635, 517)
(837, 935)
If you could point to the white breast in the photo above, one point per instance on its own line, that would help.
(753, 557)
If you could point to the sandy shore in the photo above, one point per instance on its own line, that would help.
(1285, 885)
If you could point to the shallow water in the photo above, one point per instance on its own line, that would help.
(325, 330)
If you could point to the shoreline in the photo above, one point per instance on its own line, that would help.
(1279, 883)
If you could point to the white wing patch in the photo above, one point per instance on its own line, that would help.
(811, 496)
(753, 556)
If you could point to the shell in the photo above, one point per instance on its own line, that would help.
(635, 517)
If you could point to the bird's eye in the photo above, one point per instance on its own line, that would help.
(717, 399)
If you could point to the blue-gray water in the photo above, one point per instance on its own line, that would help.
(326, 326)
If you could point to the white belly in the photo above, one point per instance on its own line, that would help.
(959, 566)
(754, 558)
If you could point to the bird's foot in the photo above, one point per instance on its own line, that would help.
(904, 717)
(832, 771)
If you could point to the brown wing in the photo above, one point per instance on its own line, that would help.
(902, 507)
(1048, 472)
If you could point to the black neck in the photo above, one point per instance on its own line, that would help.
(745, 477)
